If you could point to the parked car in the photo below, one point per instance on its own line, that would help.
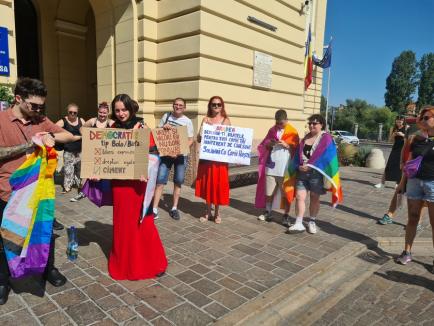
(345, 136)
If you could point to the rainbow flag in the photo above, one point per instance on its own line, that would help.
(27, 223)
(324, 160)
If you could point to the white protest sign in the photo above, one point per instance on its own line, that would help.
(226, 144)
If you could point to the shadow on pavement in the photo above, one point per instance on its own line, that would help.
(185, 205)
(406, 278)
(97, 232)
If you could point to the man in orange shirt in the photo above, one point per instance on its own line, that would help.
(18, 124)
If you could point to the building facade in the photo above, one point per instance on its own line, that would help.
(250, 52)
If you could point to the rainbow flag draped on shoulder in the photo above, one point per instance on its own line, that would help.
(27, 223)
(324, 160)
(290, 136)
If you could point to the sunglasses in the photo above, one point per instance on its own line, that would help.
(313, 123)
(72, 112)
(36, 107)
(426, 117)
(216, 105)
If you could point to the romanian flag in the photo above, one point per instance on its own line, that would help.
(27, 223)
(324, 160)
(308, 62)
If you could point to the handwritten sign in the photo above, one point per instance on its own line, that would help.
(115, 153)
(171, 142)
(226, 144)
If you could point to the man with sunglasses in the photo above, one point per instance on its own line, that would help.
(18, 124)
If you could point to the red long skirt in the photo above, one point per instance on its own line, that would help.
(137, 252)
(212, 182)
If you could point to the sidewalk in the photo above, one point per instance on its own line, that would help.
(215, 271)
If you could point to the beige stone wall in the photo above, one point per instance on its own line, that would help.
(158, 50)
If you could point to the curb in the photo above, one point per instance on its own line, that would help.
(304, 297)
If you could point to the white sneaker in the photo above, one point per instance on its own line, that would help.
(264, 217)
(311, 227)
(378, 185)
(296, 228)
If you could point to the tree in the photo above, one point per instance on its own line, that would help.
(401, 82)
(6, 94)
(323, 105)
(426, 80)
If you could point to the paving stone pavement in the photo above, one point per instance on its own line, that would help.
(213, 269)
(394, 295)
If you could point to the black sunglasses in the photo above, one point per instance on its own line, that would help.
(72, 113)
(313, 123)
(426, 117)
(36, 107)
(216, 105)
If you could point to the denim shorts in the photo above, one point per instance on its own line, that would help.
(418, 189)
(312, 181)
(180, 163)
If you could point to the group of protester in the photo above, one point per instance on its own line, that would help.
(289, 169)
(412, 153)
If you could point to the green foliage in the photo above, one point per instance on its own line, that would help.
(362, 154)
(367, 116)
(6, 94)
(401, 82)
(426, 80)
(323, 105)
(346, 153)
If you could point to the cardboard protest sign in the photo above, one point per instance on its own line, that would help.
(115, 153)
(171, 142)
(226, 144)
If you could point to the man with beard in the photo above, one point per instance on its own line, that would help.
(18, 124)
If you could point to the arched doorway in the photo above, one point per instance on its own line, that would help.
(87, 51)
(27, 39)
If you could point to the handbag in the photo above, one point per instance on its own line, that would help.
(98, 192)
(411, 167)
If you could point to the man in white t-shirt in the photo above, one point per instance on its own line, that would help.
(170, 120)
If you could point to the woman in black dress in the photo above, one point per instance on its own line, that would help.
(392, 172)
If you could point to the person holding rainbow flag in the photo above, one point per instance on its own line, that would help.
(314, 168)
(274, 152)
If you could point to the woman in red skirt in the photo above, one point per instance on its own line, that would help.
(137, 252)
(212, 182)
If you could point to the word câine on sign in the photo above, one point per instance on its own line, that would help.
(115, 153)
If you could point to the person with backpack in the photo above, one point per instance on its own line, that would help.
(170, 120)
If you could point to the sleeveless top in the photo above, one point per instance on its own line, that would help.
(106, 124)
(73, 147)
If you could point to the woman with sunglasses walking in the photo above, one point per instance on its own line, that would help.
(419, 185)
(212, 181)
(71, 151)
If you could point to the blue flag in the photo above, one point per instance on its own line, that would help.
(326, 60)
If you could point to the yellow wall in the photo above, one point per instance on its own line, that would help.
(158, 50)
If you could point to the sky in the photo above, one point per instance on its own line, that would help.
(367, 36)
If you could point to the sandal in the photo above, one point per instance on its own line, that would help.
(204, 219)
(217, 219)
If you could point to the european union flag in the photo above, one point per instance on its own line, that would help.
(326, 60)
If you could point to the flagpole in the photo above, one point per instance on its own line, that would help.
(328, 95)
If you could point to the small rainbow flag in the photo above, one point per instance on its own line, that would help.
(324, 160)
(27, 223)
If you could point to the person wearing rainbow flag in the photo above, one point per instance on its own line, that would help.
(274, 152)
(27, 176)
(314, 169)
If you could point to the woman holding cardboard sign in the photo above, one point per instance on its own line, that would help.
(212, 182)
(137, 252)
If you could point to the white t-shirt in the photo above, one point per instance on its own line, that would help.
(176, 122)
(279, 155)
